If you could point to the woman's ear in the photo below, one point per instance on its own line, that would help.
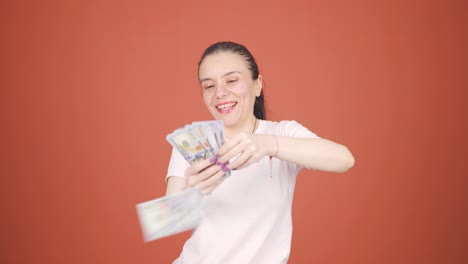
(258, 85)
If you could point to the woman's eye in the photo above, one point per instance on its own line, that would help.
(231, 81)
(209, 87)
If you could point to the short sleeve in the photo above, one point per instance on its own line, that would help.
(291, 128)
(177, 165)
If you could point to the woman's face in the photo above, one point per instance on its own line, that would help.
(228, 89)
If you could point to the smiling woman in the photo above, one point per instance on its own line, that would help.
(247, 216)
(229, 91)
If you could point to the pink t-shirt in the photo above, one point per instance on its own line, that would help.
(248, 217)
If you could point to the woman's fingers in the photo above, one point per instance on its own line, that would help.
(242, 163)
(245, 155)
(199, 167)
(229, 145)
(207, 186)
(246, 151)
(207, 172)
(241, 151)
(243, 145)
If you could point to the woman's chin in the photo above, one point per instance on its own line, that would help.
(227, 122)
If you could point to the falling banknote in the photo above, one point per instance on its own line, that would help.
(170, 215)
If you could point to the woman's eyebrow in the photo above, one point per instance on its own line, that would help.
(224, 75)
(205, 79)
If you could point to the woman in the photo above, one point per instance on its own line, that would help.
(247, 215)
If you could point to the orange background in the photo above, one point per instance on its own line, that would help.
(90, 89)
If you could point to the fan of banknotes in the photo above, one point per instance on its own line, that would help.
(180, 212)
(199, 140)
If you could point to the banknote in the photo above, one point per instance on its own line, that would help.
(170, 215)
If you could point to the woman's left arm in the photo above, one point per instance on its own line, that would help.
(313, 153)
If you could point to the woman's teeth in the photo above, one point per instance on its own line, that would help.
(226, 106)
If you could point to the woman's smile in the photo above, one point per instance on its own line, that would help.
(226, 107)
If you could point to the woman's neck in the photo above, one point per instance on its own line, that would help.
(247, 127)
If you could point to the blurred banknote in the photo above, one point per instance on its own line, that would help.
(170, 215)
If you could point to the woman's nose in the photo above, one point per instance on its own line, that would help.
(221, 91)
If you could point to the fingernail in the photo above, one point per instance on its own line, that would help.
(221, 164)
(234, 169)
(224, 168)
(214, 158)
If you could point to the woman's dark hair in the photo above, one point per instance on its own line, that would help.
(227, 46)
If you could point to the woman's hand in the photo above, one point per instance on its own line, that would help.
(248, 148)
(206, 175)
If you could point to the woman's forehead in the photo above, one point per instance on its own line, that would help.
(222, 63)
